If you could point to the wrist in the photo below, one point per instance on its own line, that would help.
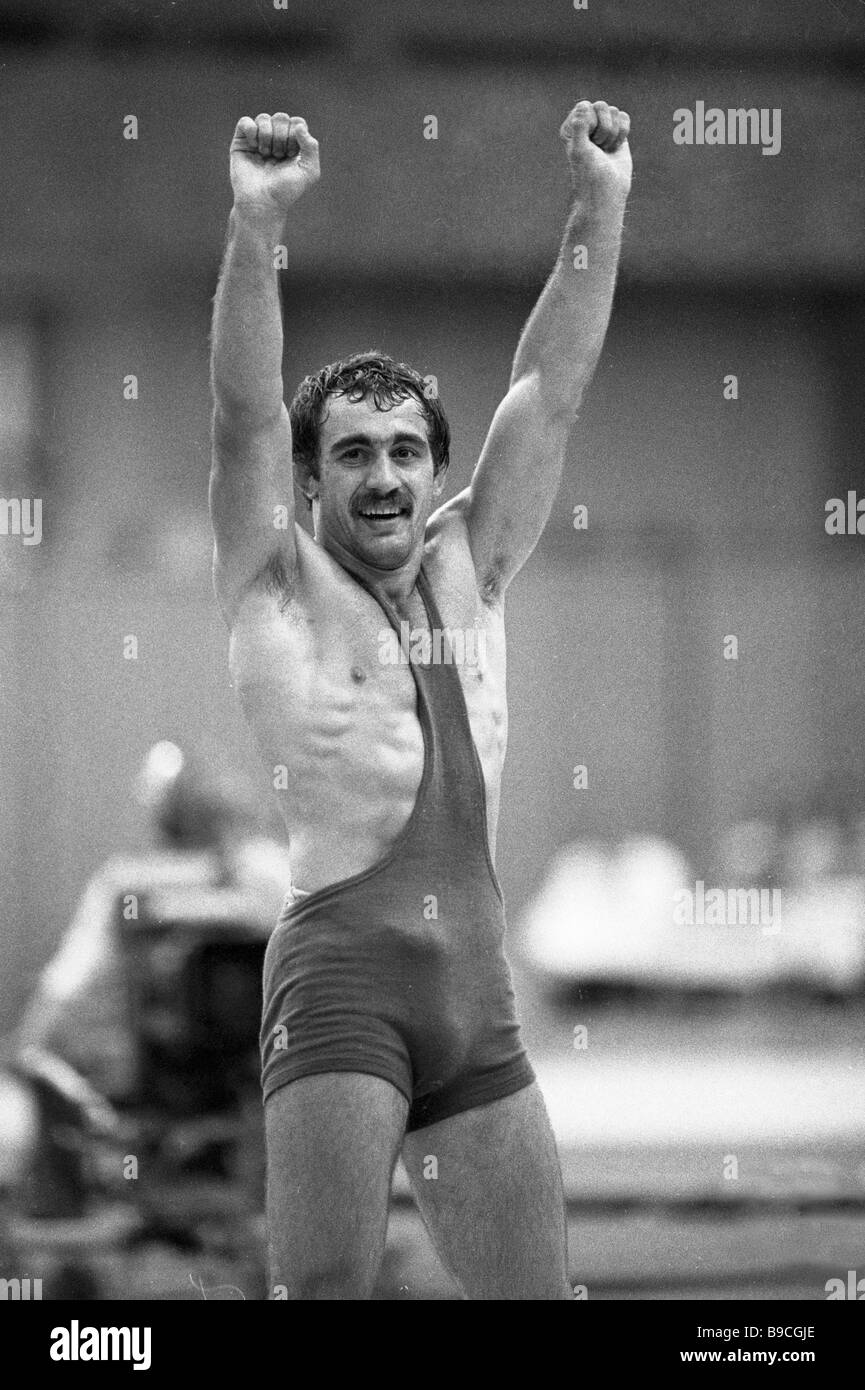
(600, 204)
(263, 219)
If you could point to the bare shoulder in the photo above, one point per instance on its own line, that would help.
(287, 608)
(449, 561)
(448, 522)
(448, 550)
(316, 580)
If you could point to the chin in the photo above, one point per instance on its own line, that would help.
(387, 556)
(396, 544)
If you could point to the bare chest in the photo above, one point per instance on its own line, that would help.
(330, 693)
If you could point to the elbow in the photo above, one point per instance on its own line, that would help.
(235, 419)
(549, 393)
(236, 397)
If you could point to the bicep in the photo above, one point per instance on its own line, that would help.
(515, 482)
(251, 502)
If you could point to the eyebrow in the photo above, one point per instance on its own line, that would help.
(404, 436)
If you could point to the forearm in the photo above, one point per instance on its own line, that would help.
(561, 343)
(246, 342)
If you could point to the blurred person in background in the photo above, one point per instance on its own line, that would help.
(205, 839)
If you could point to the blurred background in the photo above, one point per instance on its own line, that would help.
(705, 520)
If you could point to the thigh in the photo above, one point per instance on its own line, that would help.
(492, 1200)
(332, 1142)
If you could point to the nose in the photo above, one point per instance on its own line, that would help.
(383, 476)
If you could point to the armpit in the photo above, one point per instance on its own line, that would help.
(276, 578)
(491, 584)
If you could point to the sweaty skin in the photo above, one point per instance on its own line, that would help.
(338, 728)
(381, 1023)
(323, 705)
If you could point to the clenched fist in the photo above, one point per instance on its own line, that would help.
(596, 136)
(274, 159)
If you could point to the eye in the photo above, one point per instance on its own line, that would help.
(350, 454)
(406, 451)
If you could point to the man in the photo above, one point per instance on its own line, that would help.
(389, 1019)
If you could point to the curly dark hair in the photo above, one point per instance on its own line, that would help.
(362, 375)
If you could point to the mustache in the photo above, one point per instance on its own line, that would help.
(377, 500)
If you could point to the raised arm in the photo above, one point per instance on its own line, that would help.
(517, 476)
(273, 161)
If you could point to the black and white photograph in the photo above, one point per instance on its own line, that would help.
(432, 661)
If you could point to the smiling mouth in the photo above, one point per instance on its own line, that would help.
(383, 514)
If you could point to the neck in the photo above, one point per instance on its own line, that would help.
(394, 585)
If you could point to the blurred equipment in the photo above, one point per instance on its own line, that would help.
(19, 1127)
(602, 916)
(208, 864)
(139, 1051)
(193, 962)
(778, 914)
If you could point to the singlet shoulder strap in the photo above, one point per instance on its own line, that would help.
(429, 602)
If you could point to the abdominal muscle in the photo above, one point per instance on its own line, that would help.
(353, 811)
(340, 737)
(346, 759)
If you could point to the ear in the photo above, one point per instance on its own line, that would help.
(306, 481)
(439, 479)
